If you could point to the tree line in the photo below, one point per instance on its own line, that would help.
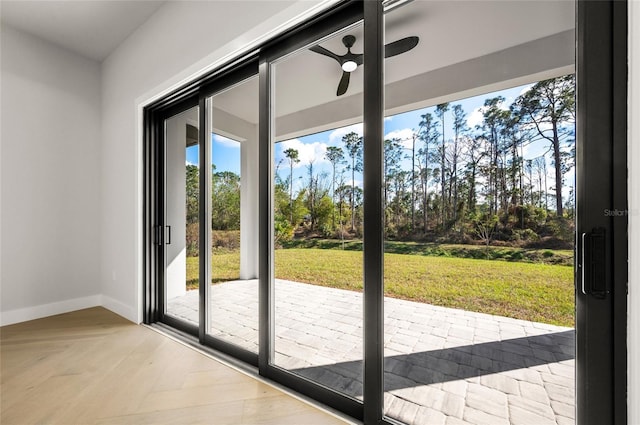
(475, 185)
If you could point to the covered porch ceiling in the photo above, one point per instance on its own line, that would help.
(466, 48)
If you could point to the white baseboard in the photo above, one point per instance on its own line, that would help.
(119, 308)
(44, 310)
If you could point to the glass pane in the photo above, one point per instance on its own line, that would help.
(479, 212)
(182, 216)
(317, 203)
(233, 135)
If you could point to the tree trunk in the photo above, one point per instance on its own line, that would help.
(556, 158)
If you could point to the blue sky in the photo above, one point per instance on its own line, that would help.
(226, 153)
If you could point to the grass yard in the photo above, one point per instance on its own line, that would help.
(529, 291)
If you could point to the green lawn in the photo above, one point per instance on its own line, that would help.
(538, 292)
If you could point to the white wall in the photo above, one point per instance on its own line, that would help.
(175, 44)
(633, 342)
(50, 177)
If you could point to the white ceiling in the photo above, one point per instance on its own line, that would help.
(92, 29)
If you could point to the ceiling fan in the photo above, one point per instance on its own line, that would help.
(350, 61)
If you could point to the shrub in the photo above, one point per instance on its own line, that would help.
(192, 239)
(225, 239)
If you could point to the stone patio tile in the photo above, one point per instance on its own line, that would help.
(563, 381)
(400, 348)
(407, 411)
(478, 417)
(456, 387)
(428, 416)
(432, 340)
(501, 383)
(396, 366)
(563, 409)
(562, 370)
(559, 393)
(561, 420)
(542, 409)
(425, 375)
(317, 325)
(487, 400)
(519, 416)
(455, 421)
(462, 332)
(534, 392)
(428, 396)
(451, 405)
(403, 339)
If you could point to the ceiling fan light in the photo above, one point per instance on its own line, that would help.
(349, 66)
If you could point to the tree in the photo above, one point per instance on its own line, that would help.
(547, 107)
(440, 111)
(459, 126)
(192, 188)
(486, 227)
(494, 120)
(293, 156)
(392, 154)
(414, 137)
(225, 201)
(353, 144)
(315, 192)
(428, 134)
(335, 155)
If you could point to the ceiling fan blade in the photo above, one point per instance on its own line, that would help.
(359, 59)
(344, 83)
(321, 50)
(400, 46)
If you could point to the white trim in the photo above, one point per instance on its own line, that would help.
(119, 308)
(45, 310)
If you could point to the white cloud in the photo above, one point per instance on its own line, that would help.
(405, 135)
(335, 137)
(225, 141)
(307, 152)
(187, 162)
(475, 117)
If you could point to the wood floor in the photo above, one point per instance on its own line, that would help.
(93, 367)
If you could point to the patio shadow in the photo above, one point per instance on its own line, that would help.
(450, 364)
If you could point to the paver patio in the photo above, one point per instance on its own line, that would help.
(442, 365)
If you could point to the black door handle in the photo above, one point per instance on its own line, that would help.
(168, 237)
(593, 263)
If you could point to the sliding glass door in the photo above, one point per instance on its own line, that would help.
(180, 234)
(232, 137)
(397, 209)
(479, 309)
(317, 211)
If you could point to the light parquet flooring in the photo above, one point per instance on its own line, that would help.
(93, 367)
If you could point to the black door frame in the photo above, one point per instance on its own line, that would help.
(601, 175)
(601, 35)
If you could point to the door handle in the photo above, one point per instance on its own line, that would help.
(168, 236)
(593, 263)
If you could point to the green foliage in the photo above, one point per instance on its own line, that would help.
(225, 201)
(192, 187)
(283, 230)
